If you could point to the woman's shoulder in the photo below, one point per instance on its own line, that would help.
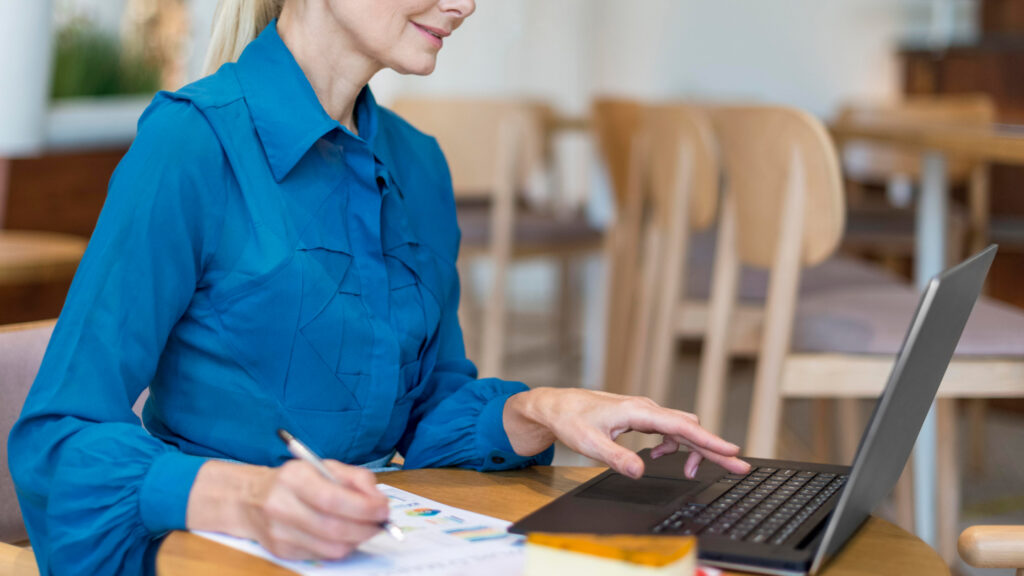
(180, 125)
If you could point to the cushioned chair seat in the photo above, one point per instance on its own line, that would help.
(21, 353)
(889, 228)
(753, 283)
(874, 320)
(531, 229)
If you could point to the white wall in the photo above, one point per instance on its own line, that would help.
(809, 53)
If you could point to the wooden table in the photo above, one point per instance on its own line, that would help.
(878, 549)
(999, 143)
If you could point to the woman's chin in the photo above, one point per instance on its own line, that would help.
(422, 66)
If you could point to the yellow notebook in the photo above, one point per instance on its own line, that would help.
(615, 555)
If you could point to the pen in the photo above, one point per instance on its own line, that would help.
(302, 452)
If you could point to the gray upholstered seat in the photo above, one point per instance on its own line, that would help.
(531, 228)
(21, 353)
(753, 284)
(850, 307)
(874, 320)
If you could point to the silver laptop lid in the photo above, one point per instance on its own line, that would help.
(900, 411)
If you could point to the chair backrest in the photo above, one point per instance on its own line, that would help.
(766, 152)
(873, 161)
(616, 123)
(475, 134)
(783, 209)
(21, 352)
(671, 190)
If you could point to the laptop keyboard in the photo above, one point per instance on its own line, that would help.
(766, 506)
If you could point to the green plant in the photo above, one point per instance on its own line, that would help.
(90, 62)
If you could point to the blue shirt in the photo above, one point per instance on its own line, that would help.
(257, 266)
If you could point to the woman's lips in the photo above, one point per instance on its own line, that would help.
(434, 35)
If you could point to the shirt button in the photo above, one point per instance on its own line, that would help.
(497, 460)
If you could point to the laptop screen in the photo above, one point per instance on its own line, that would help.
(901, 410)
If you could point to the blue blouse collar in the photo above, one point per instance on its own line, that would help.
(288, 117)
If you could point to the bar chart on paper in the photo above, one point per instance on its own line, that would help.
(439, 539)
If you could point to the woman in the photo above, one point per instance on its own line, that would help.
(276, 251)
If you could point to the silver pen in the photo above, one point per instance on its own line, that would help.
(302, 452)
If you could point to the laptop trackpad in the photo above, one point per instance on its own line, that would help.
(646, 491)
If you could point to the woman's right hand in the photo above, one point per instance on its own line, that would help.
(292, 511)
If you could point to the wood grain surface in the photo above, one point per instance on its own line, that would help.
(879, 548)
(999, 143)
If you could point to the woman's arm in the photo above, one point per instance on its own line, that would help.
(96, 490)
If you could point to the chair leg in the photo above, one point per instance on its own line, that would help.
(903, 499)
(714, 362)
(493, 333)
(566, 318)
(851, 428)
(821, 418)
(977, 414)
(948, 480)
(780, 308)
(469, 317)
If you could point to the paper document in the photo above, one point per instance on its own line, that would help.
(439, 539)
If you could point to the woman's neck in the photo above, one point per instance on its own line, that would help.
(336, 70)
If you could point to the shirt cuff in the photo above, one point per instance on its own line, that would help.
(495, 447)
(163, 498)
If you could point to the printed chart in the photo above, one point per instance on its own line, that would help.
(439, 539)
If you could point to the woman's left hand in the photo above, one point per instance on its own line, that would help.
(588, 422)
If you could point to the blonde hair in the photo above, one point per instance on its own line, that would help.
(235, 24)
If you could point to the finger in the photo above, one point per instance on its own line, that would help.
(667, 446)
(657, 420)
(292, 543)
(356, 478)
(692, 462)
(300, 516)
(339, 500)
(623, 461)
(730, 463)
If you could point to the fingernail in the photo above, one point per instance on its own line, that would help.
(634, 470)
(734, 447)
(691, 470)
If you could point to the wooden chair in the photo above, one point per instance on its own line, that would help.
(616, 127)
(782, 211)
(673, 191)
(496, 150)
(993, 547)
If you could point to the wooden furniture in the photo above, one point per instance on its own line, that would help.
(496, 151)
(36, 269)
(17, 561)
(672, 189)
(935, 145)
(616, 127)
(35, 257)
(879, 548)
(881, 229)
(993, 547)
(783, 211)
(21, 352)
(57, 197)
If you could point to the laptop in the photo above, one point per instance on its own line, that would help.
(785, 517)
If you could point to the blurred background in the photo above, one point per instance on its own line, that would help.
(881, 75)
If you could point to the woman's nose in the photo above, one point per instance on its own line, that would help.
(459, 8)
